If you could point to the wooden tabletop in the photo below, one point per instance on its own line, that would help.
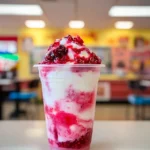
(108, 135)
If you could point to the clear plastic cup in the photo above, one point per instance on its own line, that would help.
(69, 93)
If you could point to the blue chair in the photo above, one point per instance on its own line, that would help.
(19, 96)
(139, 102)
(24, 96)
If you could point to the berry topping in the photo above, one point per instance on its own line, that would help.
(70, 50)
(94, 59)
(57, 55)
(69, 37)
(78, 40)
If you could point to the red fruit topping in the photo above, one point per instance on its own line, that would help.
(79, 60)
(93, 59)
(58, 54)
(69, 37)
(56, 43)
(78, 40)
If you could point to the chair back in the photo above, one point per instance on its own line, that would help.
(135, 85)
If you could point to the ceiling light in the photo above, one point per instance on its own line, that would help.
(124, 24)
(15, 9)
(129, 11)
(78, 24)
(35, 23)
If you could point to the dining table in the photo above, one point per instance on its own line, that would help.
(107, 135)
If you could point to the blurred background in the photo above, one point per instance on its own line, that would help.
(117, 30)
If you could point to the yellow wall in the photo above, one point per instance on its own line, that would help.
(44, 37)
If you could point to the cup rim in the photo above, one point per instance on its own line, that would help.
(70, 65)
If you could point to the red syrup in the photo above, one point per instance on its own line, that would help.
(61, 118)
(64, 119)
(81, 142)
(44, 74)
(84, 99)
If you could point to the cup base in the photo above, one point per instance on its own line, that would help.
(59, 148)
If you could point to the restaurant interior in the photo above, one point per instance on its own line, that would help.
(117, 31)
